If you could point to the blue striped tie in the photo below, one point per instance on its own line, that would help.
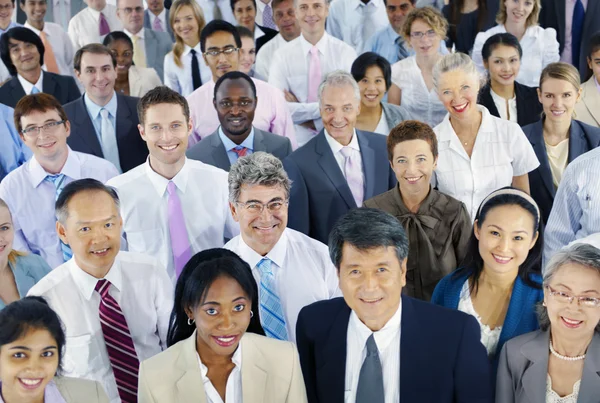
(59, 183)
(271, 313)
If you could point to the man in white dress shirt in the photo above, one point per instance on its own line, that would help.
(355, 21)
(102, 287)
(151, 189)
(299, 66)
(93, 23)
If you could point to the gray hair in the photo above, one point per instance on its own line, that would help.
(258, 168)
(579, 253)
(83, 185)
(339, 78)
(456, 61)
(367, 228)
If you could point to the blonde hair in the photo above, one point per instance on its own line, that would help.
(456, 61)
(430, 16)
(198, 14)
(12, 256)
(561, 71)
(532, 20)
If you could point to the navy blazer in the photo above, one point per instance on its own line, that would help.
(582, 138)
(529, 108)
(269, 34)
(320, 194)
(441, 357)
(132, 149)
(63, 88)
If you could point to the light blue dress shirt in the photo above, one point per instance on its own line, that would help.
(94, 112)
(230, 145)
(27, 270)
(11, 25)
(14, 153)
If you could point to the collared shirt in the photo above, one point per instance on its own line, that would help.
(84, 27)
(260, 9)
(31, 200)
(11, 25)
(540, 48)
(272, 113)
(14, 152)
(62, 13)
(94, 109)
(141, 43)
(204, 194)
(347, 18)
(27, 271)
(336, 148)
(567, 54)
(233, 388)
(230, 145)
(28, 87)
(501, 103)
(179, 79)
(51, 394)
(162, 17)
(264, 58)
(302, 268)
(289, 72)
(224, 6)
(142, 289)
(501, 152)
(388, 345)
(61, 46)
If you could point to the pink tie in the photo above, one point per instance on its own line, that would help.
(104, 28)
(180, 243)
(353, 173)
(157, 25)
(314, 75)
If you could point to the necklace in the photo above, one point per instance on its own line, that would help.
(564, 357)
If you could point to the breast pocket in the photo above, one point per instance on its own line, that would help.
(76, 361)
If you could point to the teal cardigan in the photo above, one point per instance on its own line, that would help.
(27, 270)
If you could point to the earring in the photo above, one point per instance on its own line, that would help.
(251, 314)
(190, 322)
(543, 303)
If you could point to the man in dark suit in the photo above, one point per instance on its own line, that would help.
(339, 168)
(415, 352)
(103, 123)
(156, 10)
(24, 62)
(235, 101)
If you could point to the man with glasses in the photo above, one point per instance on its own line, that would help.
(291, 269)
(186, 200)
(32, 189)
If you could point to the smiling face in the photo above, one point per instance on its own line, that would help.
(517, 11)
(372, 87)
(458, 92)
(247, 55)
(339, 110)
(413, 164)
(98, 76)
(185, 25)
(24, 56)
(503, 65)
(223, 63)
(49, 145)
(558, 99)
(35, 11)
(7, 233)
(397, 10)
(6, 10)
(245, 13)
(27, 365)
(123, 52)
(131, 14)
(311, 15)
(594, 64)
(235, 104)
(284, 17)
(427, 41)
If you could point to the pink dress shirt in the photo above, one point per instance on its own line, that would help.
(567, 55)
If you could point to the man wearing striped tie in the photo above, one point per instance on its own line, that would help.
(114, 305)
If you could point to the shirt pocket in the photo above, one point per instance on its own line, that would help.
(76, 360)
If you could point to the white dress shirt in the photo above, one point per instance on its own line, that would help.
(233, 388)
(61, 46)
(84, 27)
(500, 103)
(204, 194)
(28, 87)
(346, 21)
(501, 151)
(336, 148)
(62, 12)
(288, 72)
(31, 200)
(264, 58)
(388, 344)
(179, 79)
(143, 291)
(302, 268)
(224, 6)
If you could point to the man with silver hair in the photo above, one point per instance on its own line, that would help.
(339, 168)
(291, 269)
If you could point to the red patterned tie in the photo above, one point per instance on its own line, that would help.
(119, 344)
(240, 151)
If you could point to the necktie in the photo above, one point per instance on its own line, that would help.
(353, 174)
(314, 75)
(268, 17)
(271, 313)
(402, 52)
(577, 31)
(370, 380)
(180, 243)
(109, 140)
(139, 53)
(34, 90)
(49, 59)
(196, 80)
(119, 344)
(240, 151)
(59, 182)
(104, 28)
(368, 23)
(217, 15)
(157, 25)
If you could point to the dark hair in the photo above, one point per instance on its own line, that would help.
(413, 2)
(244, 32)
(594, 44)
(370, 59)
(496, 40)
(161, 95)
(24, 1)
(21, 34)
(117, 36)
(472, 264)
(93, 48)
(455, 16)
(365, 229)
(411, 130)
(194, 282)
(31, 313)
(234, 2)
(40, 102)
(234, 75)
(218, 26)
(79, 186)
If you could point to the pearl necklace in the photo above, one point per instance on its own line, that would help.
(564, 357)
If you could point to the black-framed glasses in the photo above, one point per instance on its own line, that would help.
(47, 128)
(566, 298)
(216, 52)
(255, 207)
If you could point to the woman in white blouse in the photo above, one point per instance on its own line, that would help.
(540, 46)
(412, 78)
(187, 20)
(478, 152)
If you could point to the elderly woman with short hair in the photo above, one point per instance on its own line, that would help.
(559, 363)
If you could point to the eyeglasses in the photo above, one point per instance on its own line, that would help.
(216, 52)
(258, 207)
(565, 298)
(129, 10)
(418, 35)
(49, 127)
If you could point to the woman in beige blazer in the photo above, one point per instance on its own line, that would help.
(212, 358)
(31, 344)
(588, 108)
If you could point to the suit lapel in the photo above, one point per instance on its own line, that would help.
(259, 141)
(190, 386)
(592, 99)
(534, 377)
(368, 163)
(219, 153)
(331, 376)
(488, 101)
(151, 48)
(332, 170)
(49, 84)
(577, 141)
(123, 123)
(254, 376)
(84, 128)
(537, 141)
(16, 91)
(590, 380)
(525, 105)
(412, 373)
(518, 301)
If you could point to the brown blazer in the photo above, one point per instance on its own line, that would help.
(587, 109)
(75, 390)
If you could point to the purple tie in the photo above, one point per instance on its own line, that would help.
(268, 17)
(119, 344)
(157, 25)
(104, 28)
(314, 75)
(180, 243)
(353, 173)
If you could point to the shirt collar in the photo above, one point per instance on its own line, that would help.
(187, 49)
(261, 6)
(337, 147)
(389, 329)
(248, 143)
(140, 34)
(96, 14)
(11, 25)
(321, 45)
(87, 283)
(276, 254)
(34, 29)
(160, 183)
(393, 34)
(236, 359)
(94, 109)
(71, 169)
(597, 84)
(447, 132)
(27, 86)
(371, 3)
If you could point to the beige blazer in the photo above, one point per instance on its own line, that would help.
(142, 80)
(270, 373)
(588, 108)
(75, 390)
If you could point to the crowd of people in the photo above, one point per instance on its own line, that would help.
(300, 201)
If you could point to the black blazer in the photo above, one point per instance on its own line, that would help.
(529, 109)
(269, 34)
(132, 149)
(441, 357)
(320, 193)
(582, 138)
(63, 88)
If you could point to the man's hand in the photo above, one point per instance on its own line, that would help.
(289, 96)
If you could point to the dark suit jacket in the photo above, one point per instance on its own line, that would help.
(320, 194)
(168, 28)
(529, 109)
(441, 357)
(582, 138)
(211, 149)
(63, 88)
(132, 149)
(269, 34)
